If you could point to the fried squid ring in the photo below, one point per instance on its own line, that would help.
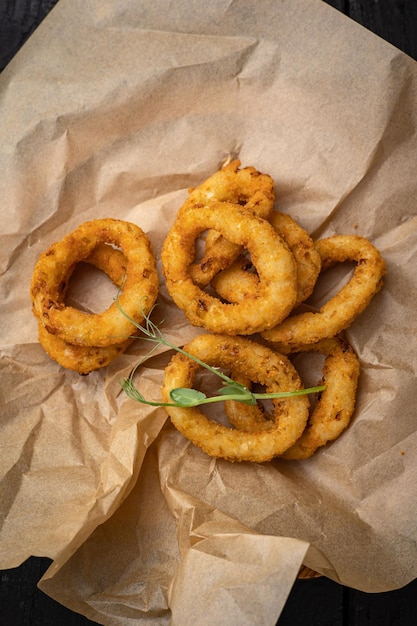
(86, 359)
(246, 187)
(334, 407)
(237, 282)
(140, 287)
(260, 364)
(275, 265)
(81, 359)
(342, 309)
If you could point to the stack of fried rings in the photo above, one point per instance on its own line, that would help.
(243, 186)
(259, 364)
(257, 267)
(82, 341)
(260, 268)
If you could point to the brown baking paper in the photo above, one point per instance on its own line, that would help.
(115, 109)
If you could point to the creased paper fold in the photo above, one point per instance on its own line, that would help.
(116, 109)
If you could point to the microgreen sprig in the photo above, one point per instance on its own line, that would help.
(185, 397)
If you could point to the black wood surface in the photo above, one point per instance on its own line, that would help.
(315, 602)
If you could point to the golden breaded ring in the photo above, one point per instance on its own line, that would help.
(86, 359)
(140, 287)
(336, 404)
(81, 359)
(340, 311)
(246, 187)
(275, 264)
(236, 282)
(260, 364)
(334, 407)
(109, 260)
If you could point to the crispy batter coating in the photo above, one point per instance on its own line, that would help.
(140, 287)
(262, 264)
(334, 407)
(336, 404)
(343, 308)
(275, 264)
(246, 187)
(238, 281)
(86, 359)
(81, 359)
(258, 363)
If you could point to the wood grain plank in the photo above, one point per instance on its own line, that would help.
(393, 20)
(314, 602)
(23, 604)
(394, 608)
(18, 20)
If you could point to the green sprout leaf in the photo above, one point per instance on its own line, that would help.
(187, 397)
(184, 397)
(241, 392)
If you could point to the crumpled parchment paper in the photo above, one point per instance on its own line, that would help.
(115, 109)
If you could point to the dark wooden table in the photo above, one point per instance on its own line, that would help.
(313, 602)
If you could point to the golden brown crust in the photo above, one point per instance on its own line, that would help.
(343, 308)
(257, 362)
(246, 187)
(333, 409)
(86, 359)
(277, 289)
(238, 281)
(140, 284)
